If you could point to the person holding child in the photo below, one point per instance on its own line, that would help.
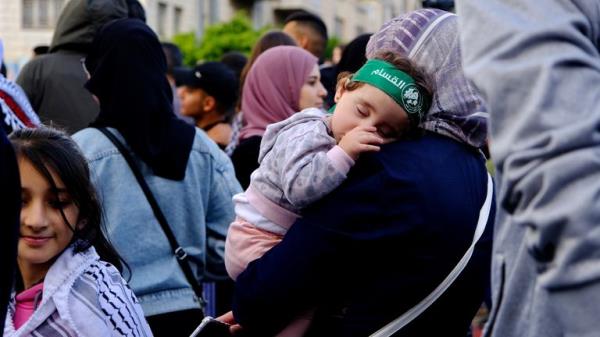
(68, 283)
(308, 155)
(403, 218)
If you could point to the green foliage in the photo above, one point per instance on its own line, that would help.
(189, 46)
(235, 35)
(332, 42)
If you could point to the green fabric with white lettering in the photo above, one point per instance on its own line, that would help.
(397, 84)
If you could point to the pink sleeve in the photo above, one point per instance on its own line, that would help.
(244, 244)
(340, 159)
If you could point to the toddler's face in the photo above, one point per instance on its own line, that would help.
(368, 106)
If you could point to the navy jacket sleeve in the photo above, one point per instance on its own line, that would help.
(304, 268)
(394, 225)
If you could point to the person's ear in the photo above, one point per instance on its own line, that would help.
(304, 42)
(340, 90)
(209, 103)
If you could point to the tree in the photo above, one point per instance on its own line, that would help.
(189, 46)
(235, 35)
(332, 42)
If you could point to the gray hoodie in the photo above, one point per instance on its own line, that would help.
(538, 65)
(54, 82)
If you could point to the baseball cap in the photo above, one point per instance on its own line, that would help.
(215, 78)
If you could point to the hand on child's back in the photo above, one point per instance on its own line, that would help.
(360, 139)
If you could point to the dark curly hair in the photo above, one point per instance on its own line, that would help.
(421, 77)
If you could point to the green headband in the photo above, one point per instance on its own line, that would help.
(398, 85)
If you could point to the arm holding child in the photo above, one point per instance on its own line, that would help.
(310, 176)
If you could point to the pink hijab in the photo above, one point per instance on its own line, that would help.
(272, 89)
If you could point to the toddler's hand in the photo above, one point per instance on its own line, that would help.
(360, 139)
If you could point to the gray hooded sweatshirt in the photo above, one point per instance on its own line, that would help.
(54, 82)
(538, 65)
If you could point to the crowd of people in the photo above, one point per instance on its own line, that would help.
(345, 199)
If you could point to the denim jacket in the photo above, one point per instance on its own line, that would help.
(198, 209)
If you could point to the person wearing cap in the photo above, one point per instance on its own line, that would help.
(383, 240)
(208, 93)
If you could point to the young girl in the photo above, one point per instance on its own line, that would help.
(309, 154)
(67, 283)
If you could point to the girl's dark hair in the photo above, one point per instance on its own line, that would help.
(268, 40)
(421, 77)
(51, 150)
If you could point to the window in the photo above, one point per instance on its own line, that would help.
(162, 16)
(27, 16)
(214, 11)
(177, 13)
(43, 19)
(58, 5)
(338, 28)
(40, 13)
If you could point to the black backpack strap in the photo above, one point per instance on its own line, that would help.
(179, 252)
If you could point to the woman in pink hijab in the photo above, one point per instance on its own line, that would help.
(282, 81)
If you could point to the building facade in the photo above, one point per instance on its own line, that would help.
(25, 24)
(345, 19)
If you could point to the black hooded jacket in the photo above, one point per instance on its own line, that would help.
(127, 67)
(54, 82)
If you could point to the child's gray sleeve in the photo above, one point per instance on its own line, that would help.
(311, 165)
